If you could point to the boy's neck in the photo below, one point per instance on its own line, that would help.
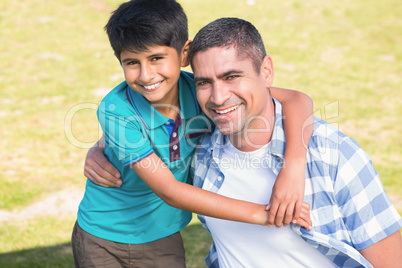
(170, 110)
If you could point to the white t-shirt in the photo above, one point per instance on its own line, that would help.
(247, 177)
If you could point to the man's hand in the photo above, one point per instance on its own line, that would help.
(98, 169)
(287, 195)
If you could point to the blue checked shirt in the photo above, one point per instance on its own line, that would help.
(350, 209)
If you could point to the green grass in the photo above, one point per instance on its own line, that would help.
(50, 248)
(56, 58)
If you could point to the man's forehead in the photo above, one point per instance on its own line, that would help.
(217, 59)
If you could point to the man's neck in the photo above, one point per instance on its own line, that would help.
(257, 134)
(250, 142)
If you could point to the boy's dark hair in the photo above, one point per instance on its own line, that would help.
(226, 32)
(138, 24)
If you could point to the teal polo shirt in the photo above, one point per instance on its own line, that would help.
(133, 130)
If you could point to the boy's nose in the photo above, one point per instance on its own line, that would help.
(146, 74)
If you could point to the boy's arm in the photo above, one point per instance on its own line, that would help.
(288, 191)
(184, 196)
(98, 169)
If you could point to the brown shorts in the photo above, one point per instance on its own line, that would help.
(92, 251)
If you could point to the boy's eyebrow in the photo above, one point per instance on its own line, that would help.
(157, 55)
(150, 56)
(228, 73)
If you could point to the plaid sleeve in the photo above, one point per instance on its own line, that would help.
(367, 210)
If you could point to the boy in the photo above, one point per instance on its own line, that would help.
(152, 123)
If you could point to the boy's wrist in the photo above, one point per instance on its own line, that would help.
(294, 161)
(260, 216)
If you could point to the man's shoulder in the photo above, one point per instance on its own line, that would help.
(324, 131)
(205, 144)
(328, 143)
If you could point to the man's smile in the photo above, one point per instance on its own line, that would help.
(225, 111)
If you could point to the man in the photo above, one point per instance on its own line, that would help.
(354, 222)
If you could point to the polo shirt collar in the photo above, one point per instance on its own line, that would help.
(152, 118)
(187, 96)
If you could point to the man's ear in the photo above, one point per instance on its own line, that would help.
(184, 54)
(267, 70)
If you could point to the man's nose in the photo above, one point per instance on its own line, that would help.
(219, 94)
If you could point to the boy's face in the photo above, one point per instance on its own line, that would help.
(153, 73)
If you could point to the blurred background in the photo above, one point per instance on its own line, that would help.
(56, 65)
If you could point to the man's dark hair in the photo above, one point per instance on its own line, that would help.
(139, 24)
(226, 32)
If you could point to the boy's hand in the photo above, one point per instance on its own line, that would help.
(99, 170)
(287, 195)
(304, 220)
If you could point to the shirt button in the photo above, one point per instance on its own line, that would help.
(219, 178)
(174, 147)
(174, 134)
(167, 123)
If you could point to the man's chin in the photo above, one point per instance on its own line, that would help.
(226, 130)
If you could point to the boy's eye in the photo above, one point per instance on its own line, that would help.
(156, 58)
(132, 62)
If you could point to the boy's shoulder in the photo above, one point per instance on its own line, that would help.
(116, 103)
(187, 75)
(187, 80)
(116, 95)
(120, 100)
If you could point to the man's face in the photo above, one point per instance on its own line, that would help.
(231, 92)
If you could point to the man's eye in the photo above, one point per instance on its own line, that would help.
(202, 83)
(156, 58)
(132, 62)
(230, 77)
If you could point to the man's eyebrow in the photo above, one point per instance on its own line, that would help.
(200, 78)
(228, 73)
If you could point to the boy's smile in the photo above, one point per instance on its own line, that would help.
(153, 87)
(154, 73)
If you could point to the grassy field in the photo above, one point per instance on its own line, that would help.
(56, 65)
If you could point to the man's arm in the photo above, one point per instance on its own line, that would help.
(369, 216)
(98, 169)
(288, 192)
(386, 253)
(184, 196)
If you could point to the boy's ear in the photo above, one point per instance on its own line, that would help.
(267, 70)
(184, 54)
